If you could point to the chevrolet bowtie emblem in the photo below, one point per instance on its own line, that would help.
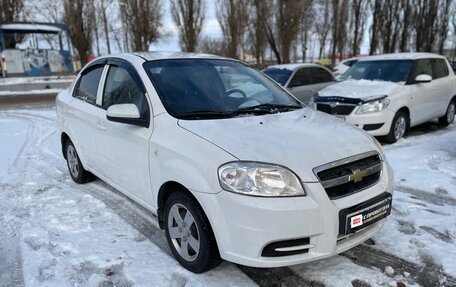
(357, 175)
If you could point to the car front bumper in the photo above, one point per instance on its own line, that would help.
(384, 117)
(245, 225)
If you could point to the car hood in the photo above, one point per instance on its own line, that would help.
(361, 89)
(300, 140)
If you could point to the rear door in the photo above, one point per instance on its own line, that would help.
(441, 76)
(81, 114)
(123, 149)
(424, 95)
(321, 78)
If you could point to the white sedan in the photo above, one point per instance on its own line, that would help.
(233, 166)
(302, 80)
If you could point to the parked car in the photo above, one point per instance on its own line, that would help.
(343, 66)
(387, 94)
(232, 165)
(453, 65)
(302, 80)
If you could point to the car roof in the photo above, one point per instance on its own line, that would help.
(158, 55)
(293, 67)
(401, 56)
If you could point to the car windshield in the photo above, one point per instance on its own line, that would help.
(212, 88)
(281, 76)
(382, 70)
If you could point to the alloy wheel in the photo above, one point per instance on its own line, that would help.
(400, 127)
(73, 162)
(451, 112)
(184, 232)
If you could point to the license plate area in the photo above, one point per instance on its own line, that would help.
(364, 214)
(340, 117)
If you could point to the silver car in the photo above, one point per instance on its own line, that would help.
(302, 80)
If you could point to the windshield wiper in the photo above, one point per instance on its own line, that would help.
(268, 108)
(205, 114)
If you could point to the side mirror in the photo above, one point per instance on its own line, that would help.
(127, 114)
(423, 78)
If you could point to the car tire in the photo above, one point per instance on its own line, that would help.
(75, 167)
(189, 233)
(448, 118)
(399, 127)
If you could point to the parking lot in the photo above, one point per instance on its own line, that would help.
(57, 233)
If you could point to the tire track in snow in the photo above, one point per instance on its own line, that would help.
(146, 223)
(429, 274)
(11, 271)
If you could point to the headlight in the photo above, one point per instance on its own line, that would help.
(259, 179)
(373, 106)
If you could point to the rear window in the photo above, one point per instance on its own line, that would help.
(320, 75)
(281, 76)
(440, 68)
(87, 87)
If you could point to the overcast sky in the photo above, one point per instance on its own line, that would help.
(211, 28)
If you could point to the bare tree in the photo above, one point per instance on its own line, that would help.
(322, 23)
(357, 24)
(288, 20)
(233, 18)
(339, 19)
(102, 7)
(442, 23)
(425, 16)
(307, 20)
(258, 28)
(212, 46)
(188, 16)
(95, 20)
(10, 11)
(390, 25)
(407, 8)
(50, 11)
(142, 20)
(80, 26)
(375, 28)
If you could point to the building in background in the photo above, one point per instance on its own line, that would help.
(34, 49)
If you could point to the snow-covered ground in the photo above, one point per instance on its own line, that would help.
(57, 233)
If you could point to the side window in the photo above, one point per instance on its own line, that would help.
(440, 68)
(321, 76)
(87, 87)
(423, 67)
(120, 88)
(351, 62)
(301, 78)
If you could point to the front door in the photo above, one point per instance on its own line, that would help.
(124, 149)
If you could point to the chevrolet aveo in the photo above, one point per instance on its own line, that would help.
(233, 166)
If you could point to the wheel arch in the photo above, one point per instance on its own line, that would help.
(166, 189)
(63, 139)
(406, 110)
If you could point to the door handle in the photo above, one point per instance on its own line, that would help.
(101, 125)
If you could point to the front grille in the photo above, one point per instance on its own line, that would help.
(339, 109)
(350, 175)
